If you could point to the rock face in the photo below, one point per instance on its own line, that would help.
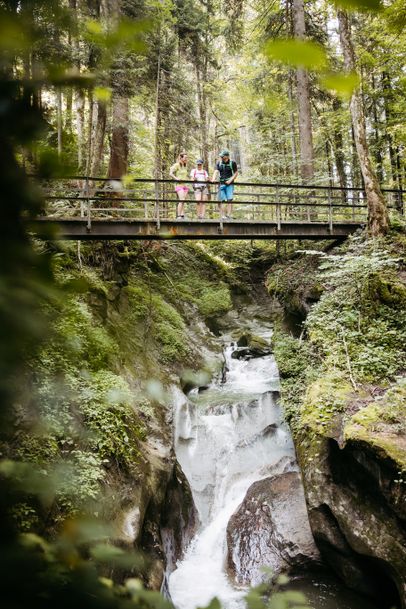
(179, 518)
(270, 529)
(357, 514)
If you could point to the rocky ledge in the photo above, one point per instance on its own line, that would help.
(357, 508)
(270, 528)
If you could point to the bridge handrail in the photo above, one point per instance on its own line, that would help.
(255, 184)
(236, 202)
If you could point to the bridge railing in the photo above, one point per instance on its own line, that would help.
(155, 200)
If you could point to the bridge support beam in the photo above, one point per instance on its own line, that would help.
(109, 229)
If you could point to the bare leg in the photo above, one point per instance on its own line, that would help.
(182, 194)
(229, 207)
(203, 205)
(198, 197)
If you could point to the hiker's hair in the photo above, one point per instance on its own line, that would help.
(180, 158)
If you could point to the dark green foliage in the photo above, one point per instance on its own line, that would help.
(361, 315)
(298, 367)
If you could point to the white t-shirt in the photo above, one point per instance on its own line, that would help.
(200, 175)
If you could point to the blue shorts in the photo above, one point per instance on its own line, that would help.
(226, 192)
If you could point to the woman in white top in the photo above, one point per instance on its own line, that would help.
(201, 178)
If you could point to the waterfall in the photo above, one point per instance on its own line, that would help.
(226, 438)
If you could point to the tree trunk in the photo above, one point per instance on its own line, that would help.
(118, 164)
(292, 127)
(378, 152)
(338, 147)
(80, 127)
(59, 118)
(387, 95)
(98, 135)
(303, 98)
(201, 79)
(377, 211)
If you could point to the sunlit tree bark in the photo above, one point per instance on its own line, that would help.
(303, 99)
(377, 210)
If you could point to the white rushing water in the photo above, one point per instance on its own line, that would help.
(226, 438)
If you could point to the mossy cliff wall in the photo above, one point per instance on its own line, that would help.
(344, 392)
(94, 410)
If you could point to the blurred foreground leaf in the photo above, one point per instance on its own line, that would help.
(359, 5)
(342, 84)
(298, 53)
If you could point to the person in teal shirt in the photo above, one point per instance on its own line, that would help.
(227, 171)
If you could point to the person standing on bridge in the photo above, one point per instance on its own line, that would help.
(179, 172)
(227, 171)
(201, 178)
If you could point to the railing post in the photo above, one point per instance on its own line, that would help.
(87, 193)
(278, 208)
(353, 205)
(145, 205)
(330, 212)
(221, 214)
(157, 209)
(400, 205)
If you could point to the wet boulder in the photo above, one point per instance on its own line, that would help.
(270, 529)
(250, 346)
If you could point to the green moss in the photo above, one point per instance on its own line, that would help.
(106, 402)
(325, 398)
(295, 283)
(298, 366)
(383, 443)
(214, 300)
(383, 415)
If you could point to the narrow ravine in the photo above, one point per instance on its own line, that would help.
(227, 438)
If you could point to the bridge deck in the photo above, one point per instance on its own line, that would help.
(77, 228)
(97, 208)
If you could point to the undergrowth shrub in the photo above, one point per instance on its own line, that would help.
(357, 325)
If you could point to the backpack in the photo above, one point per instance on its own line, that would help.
(230, 164)
(222, 166)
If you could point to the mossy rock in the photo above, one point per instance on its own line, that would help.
(389, 292)
(325, 398)
(250, 346)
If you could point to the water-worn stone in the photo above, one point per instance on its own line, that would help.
(270, 529)
(250, 346)
(357, 514)
(179, 518)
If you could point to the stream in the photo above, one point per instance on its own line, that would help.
(227, 438)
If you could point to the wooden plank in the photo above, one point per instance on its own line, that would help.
(110, 229)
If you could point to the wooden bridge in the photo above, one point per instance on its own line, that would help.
(84, 208)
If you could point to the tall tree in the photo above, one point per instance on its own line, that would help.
(303, 100)
(118, 164)
(377, 211)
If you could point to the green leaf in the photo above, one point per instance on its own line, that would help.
(94, 27)
(13, 36)
(298, 53)
(214, 604)
(102, 94)
(343, 84)
(103, 552)
(359, 5)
